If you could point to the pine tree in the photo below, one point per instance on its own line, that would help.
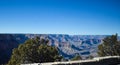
(90, 57)
(76, 57)
(34, 51)
(110, 46)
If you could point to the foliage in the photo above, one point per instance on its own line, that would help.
(77, 57)
(34, 51)
(109, 47)
(90, 57)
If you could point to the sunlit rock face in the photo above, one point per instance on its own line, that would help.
(70, 45)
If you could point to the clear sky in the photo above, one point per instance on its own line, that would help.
(83, 17)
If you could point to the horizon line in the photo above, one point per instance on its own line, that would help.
(58, 34)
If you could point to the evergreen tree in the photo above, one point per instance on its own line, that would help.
(90, 57)
(34, 51)
(77, 57)
(109, 47)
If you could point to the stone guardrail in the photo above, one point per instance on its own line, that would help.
(108, 60)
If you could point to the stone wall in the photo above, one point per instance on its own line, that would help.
(109, 60)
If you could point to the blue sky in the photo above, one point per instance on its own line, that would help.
(74, 17)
